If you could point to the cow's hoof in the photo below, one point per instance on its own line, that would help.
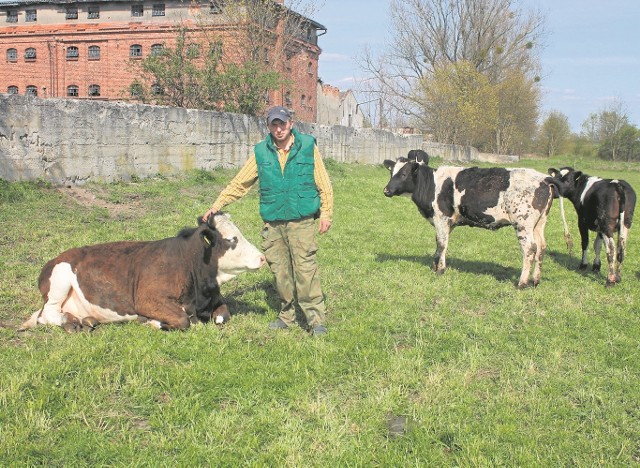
(89, 323)
(596, 268)
(582, 266)
(610, 284)
(522, 286)
(71, 327)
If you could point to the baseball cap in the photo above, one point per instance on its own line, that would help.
(278, 112)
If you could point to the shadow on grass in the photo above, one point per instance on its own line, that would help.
(238, 306)
(499, 272)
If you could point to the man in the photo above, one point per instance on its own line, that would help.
(294, 191)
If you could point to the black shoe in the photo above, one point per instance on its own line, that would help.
(319, 330)
(278, 325)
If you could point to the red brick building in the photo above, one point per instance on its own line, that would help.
(85, 50)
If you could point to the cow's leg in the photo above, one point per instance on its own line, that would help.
(163, 314)
(529, 252)
(60, 285)
(597, 247)
(442, 243)
(610, 247)
(584, 237)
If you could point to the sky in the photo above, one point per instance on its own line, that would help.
(590, 59)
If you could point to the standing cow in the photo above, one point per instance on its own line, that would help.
(488, 198)
(168, 283)
(604, 206)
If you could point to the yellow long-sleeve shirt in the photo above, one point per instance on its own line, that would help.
(248, 176)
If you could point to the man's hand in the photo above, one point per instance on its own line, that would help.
(324, 225)
(209, 213)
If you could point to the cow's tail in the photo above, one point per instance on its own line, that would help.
(565, 227)
(622, 229)
(31, 322)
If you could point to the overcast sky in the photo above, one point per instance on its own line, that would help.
(592, 53)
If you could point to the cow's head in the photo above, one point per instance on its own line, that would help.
(565, 179)
(240, 254)
(402, 176)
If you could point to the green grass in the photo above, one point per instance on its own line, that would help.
(479, 372)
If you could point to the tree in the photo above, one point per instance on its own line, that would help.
(497, 39)
(624, 144)
(554, 132)
(232, 64)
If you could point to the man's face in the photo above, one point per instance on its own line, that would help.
(280, 130)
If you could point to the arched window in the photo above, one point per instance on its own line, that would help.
(93, 52)
(12, 55)
(303, 101)
(94, 90)
(73, 52)
(135, 50)
(287, 99)
(12, 90)
(30, 53)
(310, 68)
(157, 49)
(32, 90)
(72, 91)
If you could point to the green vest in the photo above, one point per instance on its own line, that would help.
(292, 193)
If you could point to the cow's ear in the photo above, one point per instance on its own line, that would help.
(552, 171)
(209, 237)
(388, 163)
(577, 175)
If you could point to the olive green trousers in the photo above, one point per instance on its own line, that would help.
(290, 249)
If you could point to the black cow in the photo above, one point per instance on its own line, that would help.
(166, 283)
(604, 206)
(488, 198)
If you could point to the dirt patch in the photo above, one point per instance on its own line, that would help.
(95, 197)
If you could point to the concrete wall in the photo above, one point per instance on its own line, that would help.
(72, 141)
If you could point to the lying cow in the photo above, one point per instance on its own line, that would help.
(604, 206)
(488, 198)
(167, 283)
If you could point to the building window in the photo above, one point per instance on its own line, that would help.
(287, 99)
(266, 55)
(157, 90)
(32, 90)
(73, 52)
(30, 53)
(12, 16)
(156, 49)
(135, 51)
(308, 34)
(158, 9)
(31, 16)
(303, 101)
(137, 10)
(216, 6)
(310, 68)
(136, 90)
(12, 55)
(72, 91)
(93, 52)
(12, 90)
(94, 90)
(72, 13)
(93, 12)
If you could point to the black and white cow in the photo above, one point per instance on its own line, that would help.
(604, 206)
(488, 198)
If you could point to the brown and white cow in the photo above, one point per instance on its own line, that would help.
(604, 206)
(489, 198)
(168, 283)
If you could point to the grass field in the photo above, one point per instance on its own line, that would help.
(417, 369)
